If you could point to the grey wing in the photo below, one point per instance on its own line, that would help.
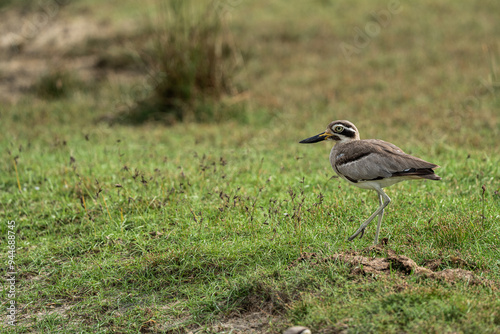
(376, 159)
(369, 167)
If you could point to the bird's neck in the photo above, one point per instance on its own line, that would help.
(346, 140)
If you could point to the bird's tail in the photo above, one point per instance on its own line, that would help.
(424, 173)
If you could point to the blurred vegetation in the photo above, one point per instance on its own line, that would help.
(57, 83)
(197, 226)
(32, 4)
(192, 63)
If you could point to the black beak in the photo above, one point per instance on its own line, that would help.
(314, 139)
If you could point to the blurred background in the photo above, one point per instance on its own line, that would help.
(150, 160)
(426, 72)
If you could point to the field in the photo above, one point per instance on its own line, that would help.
(225, 223)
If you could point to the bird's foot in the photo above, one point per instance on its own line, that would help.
(359, 232)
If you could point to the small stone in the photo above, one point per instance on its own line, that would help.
(297, 330)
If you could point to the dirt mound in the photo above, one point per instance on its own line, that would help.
(392, 263)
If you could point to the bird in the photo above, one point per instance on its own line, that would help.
(370, 164)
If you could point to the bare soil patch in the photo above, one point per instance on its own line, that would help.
(394, 263)
(31, 47)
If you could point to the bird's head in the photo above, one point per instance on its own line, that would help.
(339, 131)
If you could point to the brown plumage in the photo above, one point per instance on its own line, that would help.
(371, 164)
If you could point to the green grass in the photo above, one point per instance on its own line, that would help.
(171, 229)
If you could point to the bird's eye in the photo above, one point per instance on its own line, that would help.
(338, 128)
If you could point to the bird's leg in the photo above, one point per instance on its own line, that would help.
(380, 216)
(385, 201)
(379, 221)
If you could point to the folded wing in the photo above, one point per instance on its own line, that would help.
(373, 159)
